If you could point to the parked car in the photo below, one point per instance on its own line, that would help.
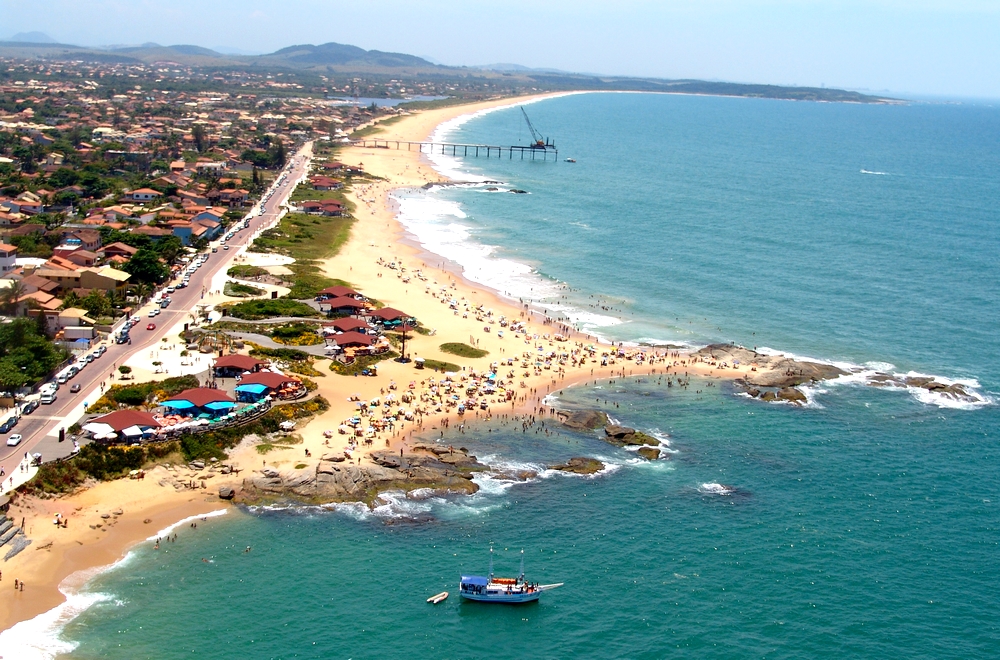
(151, 326)
(14, 440)
(75, 388)
(29, 407)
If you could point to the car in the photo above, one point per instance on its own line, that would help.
(182, 285)
(152, 313)
(151, 326)
(101, 350)
(29, 407)
(75, 388)
(14, 440)
(156, 312)
(170, 289)
(225, 247)
(215, 249)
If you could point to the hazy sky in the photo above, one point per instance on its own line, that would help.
(932, 47)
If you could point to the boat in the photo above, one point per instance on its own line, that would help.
(491, 589)
(570, 160)
(434, 600)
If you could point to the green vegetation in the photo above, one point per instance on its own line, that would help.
(141, 393)
(296, 334)
(95, 461)
(374, 128)
(307, 239)
(440, 365)
(463, 350)
(26, 355)
(240, 290)
(214, 443)
(244, 271)
(254, 310)
(299, 362)
(360, 364)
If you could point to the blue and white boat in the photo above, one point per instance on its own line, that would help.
(491, 589)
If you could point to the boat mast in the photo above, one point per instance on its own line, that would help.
(491, 563)
(522, 565)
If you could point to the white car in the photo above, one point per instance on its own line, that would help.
(152, 313)
(14, 440)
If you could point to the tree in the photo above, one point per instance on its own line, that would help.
(96, 304)
(199, 136)
(11, 295)
(145, 266)
(124, 371)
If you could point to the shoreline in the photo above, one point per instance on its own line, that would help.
(356, 262)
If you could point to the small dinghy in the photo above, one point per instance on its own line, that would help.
(434, 600)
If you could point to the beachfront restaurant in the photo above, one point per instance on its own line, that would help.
(230, 366)
(338, 292)
(391, 318)
(122, 426)
(200, 403)
(255, 387)
(344, 305)
(347, 325)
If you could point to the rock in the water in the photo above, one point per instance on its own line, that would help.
(580, 465)
(226, 493)
(649, 453)
(583, 420)
(340, 481)
(792, 395)
(623, 435)
(772, 370)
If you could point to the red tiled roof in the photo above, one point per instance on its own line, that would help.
(244, 362)
(338, 291)
(268, 378)
(122, 419)
(347, 325)
(389, 314)
(199, 396)
(353, 338)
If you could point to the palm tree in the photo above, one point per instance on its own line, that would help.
(11, 296)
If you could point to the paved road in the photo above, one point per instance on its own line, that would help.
(40, 429)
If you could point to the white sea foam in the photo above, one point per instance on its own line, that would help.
(40, 638)
(715, 489)
(190, 519)
(875, 173)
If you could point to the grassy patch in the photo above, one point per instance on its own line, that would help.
(299, 466)
(360, 364)
(440, 365)
(244, 271)
(140, 393)
(253, 310)
(374, 128)
(95, 461)
(298, 362)
(463, 350)
(307, 239)
(239, 290)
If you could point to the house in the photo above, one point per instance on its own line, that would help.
(353, 340)
(345, 305)
(194, 197)
(347, 325)
(201, 401)
(232, 197)
(155, 233)
(327, 207)
(390, 316)
(118, 249)
(124, 424)
(8, 258)
(337, 292)
(82, 257)
(38, 302)
(333, 166)
(267, 383)
(326, 183)
(228, 366)
(35, 282)
(87, 239)
(73, 317)
(65, 279)
(105, 278)
(144, 195)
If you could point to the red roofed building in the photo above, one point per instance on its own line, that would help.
(234, 365)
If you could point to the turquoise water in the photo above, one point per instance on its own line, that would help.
(863, 525)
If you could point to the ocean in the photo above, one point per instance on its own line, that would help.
(864, 524)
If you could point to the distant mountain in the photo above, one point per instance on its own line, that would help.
(519, 68)
(33, 38)
(341, 54)
(228, 50)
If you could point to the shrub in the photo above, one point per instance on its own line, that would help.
(253, 310)
(463, 350)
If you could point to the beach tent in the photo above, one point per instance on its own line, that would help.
(132, 432)
(98, 428)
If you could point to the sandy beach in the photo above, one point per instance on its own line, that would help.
(377, 240)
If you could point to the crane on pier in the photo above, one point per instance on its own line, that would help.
(538, 141)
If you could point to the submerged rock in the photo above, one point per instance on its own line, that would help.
(580, 465)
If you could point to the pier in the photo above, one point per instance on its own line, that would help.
(455, 149)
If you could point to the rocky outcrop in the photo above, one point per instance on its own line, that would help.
(649, 453)
(955, 391)
(623, 435)
(580, 465)
(226, 492)
(582, 420)
(335, 480)
(771, 370)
